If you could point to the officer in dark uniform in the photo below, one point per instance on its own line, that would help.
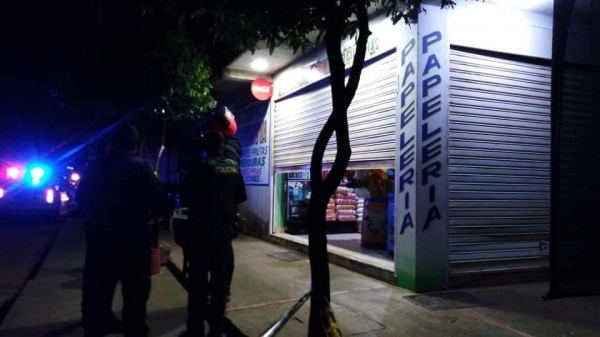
(212, 189)
(223, 121)
(118, 192)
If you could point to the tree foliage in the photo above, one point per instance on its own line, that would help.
(117, 56)
(250, 25)
(110, 59)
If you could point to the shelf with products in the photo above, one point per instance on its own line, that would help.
(343, 204)
(342, 210)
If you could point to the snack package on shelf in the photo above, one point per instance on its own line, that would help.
(341, 207)
(345, 202)
(331, 214)
(342, 190)
(346, 217)
(360, 209)
(346, 212)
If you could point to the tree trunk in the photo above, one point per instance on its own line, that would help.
(323, 189)
(162, 145)
(142, 147)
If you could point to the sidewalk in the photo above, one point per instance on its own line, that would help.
(265, 287)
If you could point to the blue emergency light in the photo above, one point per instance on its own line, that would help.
(37, 173)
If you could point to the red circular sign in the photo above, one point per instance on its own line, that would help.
(261, 89)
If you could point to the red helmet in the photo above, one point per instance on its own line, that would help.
(222, 120)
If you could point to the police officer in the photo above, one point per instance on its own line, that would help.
(212, 189)
(224, 121)
(118, 192)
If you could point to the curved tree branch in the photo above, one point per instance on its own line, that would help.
(333, 45)
(316, 160)
(361, 50)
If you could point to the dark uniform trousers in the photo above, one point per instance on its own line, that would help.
(111, 257)
(208, 257)
(211, 231)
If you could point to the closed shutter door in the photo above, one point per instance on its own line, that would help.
(371, 117)
(499, 151)
(576, 271)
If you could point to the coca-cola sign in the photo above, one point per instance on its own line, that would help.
(262, 89)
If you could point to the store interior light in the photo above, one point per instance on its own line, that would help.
(259, 65)
(1, 193)
(75, 177)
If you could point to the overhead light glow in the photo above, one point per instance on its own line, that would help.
(1, 193)
(259, 65)
(13, 172)
(75, 177)
(64, 197)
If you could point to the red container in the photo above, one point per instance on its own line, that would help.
(155, 261)
(155, 250)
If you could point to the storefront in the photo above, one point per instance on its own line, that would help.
(450, 132)
(302, 104)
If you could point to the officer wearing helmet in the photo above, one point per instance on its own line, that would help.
(212, 190)
(223, 121)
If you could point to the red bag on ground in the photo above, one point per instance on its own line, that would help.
(155, 264)
(155, 249)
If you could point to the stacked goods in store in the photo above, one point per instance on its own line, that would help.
(345, 204)
(331, 213)
(360, 209)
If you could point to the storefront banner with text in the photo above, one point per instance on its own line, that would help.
(254, 135)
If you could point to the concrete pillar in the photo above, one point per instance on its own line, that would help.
(421, 225)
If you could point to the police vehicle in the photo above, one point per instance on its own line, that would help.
(35, 188)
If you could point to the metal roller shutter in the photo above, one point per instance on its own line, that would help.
(499, 156)
(371, 117)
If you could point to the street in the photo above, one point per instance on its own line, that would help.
(23, 242)
(49, 305)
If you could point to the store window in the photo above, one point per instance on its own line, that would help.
(360, 214)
